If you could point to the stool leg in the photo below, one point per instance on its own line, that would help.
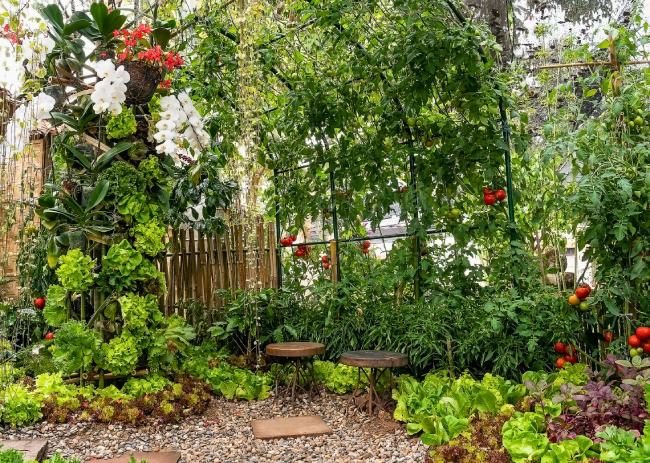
(354, 393)
(296, 377)
(372, 390)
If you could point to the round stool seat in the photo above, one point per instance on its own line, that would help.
(295, 349)
(374, 359)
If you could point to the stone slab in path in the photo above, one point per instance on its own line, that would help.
(283, 428)
(33, 449)
(149, 457)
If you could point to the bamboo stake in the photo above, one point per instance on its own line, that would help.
(333, 262)
(184, 272)
(193, 275)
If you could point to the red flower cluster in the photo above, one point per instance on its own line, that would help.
(166, 83)
(131, 38)
(10, 35)
(170, 60)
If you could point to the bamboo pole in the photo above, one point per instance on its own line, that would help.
(184, 272)
(333, 262)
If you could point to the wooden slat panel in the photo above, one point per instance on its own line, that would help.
(228, 268)
(184, 273)
(209, 268)
(201, 283)
(221, 265)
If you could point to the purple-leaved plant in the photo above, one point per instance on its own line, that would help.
(614, 396)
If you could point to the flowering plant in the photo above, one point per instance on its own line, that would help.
(136, 47)
(109, 92)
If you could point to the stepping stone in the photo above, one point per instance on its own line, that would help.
(282, 428)
(150, 457)
(33, 449)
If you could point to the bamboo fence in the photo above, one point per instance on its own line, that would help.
(197, 265)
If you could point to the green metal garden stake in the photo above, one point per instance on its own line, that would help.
(336, 226)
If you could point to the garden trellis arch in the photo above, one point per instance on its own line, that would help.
(337, 240)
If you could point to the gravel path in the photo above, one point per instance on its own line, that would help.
(229, 437)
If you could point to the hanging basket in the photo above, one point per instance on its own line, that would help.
(145, 79)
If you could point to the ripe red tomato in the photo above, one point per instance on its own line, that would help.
(40, 302)
(646, 347)
(560, 362)
(588, 288)
(582, 293)
(293, 238)
(643, 333)
(572, 359)
(366, 244)
(489, 199)
(365, 251)
(49, 336)
(500, 195)
(300, 253)
(302, 247)
(308, 248)
(325, 259)
(608, 337)
(487, 191)
(326, 266)
(634, 341)
(404, 189)
(559, 348)
(283, 242)
(570, 349)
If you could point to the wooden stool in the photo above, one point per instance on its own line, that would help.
(375, 360)
(295, 351)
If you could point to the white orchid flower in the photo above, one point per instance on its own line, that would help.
(184, 99)
(168, 147)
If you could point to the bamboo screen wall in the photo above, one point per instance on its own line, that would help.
(196, 265)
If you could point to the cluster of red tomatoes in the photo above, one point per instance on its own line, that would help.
(490, 196)
(303, 251)
(640, 342)
(39, 303)
(288, 241)
(326, 262)
(579, 299)
(365, 247)
(570, 354)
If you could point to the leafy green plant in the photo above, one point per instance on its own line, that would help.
(121, 354)
(619, 445)
(137, 207)
(123, 267)
(56, 311)
(121, 126)
(123, 179)
(76, 271)
(18, 407)
(153, 173)
(75, 347)
(150, 384)
(440, 406)
(169, 342)
(138, 311)
(149, 237)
